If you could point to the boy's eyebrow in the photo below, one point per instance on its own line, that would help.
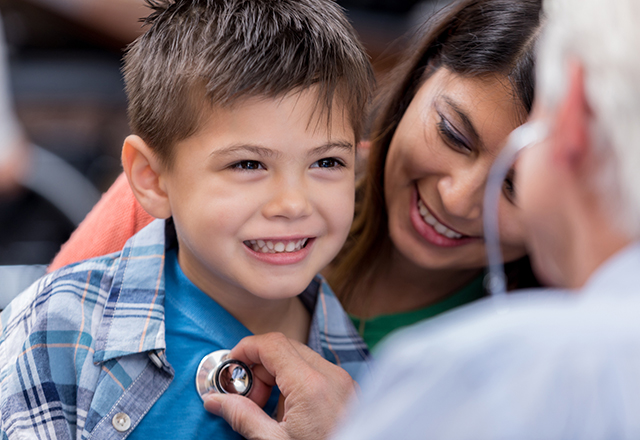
(246, 148)
(322, 149)
(267, 152)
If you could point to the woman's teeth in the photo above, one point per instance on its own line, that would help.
(431, 220)
(276, 247)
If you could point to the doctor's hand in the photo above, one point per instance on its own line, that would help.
(315, 391)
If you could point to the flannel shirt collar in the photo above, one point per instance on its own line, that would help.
(133, 318)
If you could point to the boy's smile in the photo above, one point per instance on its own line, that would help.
(280, 251)
(262, 197)
(276, 246)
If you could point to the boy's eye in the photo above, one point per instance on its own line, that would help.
(327, 162)
(248, 165)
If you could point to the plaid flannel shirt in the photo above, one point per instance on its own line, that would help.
(82, 350)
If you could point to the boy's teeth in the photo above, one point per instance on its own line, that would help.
(276, 247)
(431, 220)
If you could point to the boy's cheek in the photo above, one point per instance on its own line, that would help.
(343, 210)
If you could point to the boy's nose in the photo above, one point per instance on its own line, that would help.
(289, 201)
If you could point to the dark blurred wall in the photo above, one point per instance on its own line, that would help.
(68, 94)
(67, 88)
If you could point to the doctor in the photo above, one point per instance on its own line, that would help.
(547, 365)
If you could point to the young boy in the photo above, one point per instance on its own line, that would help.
(245, 116)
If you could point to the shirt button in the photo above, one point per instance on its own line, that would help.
(121, 422)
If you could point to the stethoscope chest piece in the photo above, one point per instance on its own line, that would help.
(220, 374)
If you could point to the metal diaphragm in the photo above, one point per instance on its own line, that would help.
(218, 373)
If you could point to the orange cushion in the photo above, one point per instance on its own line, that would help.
(111, 222)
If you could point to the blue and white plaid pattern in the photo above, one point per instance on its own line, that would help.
(87, 342)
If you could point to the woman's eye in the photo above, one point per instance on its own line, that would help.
(452, 136)
(508, 188)
(328, 162)
(248, 165)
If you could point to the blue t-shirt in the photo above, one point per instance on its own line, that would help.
(195, 325)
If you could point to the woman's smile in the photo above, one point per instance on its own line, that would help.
(432, 229)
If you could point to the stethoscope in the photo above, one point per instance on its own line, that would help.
(522, 137)
(221, 374)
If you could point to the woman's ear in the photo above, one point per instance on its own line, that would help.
(146, 175)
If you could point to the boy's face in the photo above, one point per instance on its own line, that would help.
(262, 196)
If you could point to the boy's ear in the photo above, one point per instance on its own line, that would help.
(145, 173)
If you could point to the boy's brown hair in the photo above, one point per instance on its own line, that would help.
(202, 53)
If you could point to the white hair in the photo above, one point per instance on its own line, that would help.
(604, 36)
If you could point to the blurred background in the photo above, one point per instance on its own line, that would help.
(65, 89)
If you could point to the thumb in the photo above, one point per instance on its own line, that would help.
(244, 416)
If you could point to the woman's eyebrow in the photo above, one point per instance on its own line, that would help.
(464, 119)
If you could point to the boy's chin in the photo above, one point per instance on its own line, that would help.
(280, 290)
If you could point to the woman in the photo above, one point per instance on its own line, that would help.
(416, 246)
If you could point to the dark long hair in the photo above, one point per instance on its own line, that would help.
(473, 38)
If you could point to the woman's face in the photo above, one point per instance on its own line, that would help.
(437, 167)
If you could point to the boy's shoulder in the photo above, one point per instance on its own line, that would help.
(72, 296)
(59, 292)
(87, 328)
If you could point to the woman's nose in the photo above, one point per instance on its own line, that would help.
(289, 200)
(462, 194)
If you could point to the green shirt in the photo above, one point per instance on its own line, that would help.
(374, 329)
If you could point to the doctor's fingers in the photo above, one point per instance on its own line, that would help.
(245, 417)
(322, 366)
(291, 365)
(273, 351)
(260, 391)
(276, 351)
